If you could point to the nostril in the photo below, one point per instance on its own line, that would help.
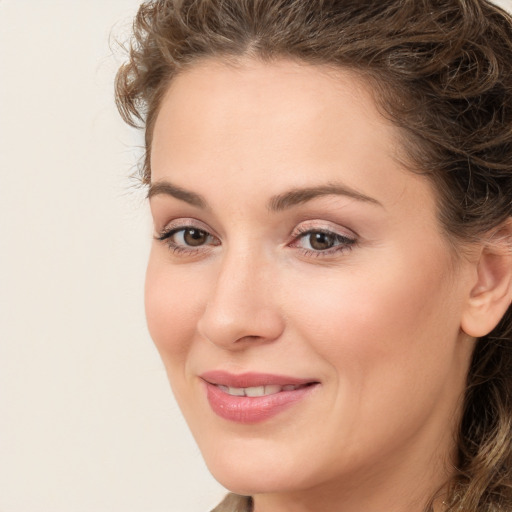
(249, 338)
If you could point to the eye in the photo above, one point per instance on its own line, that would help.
(321, 241)
(187, 238)
(192, 237)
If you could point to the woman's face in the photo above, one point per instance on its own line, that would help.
(298, 264)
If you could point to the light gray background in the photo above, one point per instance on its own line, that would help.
(87, 421)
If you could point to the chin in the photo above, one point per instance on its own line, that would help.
(257, 481)
(257, 470)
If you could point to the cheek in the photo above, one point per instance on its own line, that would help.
(388, 335)
(172, 309)
(391, 322)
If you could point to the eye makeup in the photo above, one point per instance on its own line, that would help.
(186, 237)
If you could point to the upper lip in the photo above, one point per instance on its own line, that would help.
(251, 379)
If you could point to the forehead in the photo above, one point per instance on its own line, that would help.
(248, 95)
(266, 126)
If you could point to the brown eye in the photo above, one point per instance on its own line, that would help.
(320, 241)
(188, 238)
(195, 237)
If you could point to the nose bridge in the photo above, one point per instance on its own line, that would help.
(241, 304)
(236, 288)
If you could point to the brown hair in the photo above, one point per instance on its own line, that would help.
(442, 72)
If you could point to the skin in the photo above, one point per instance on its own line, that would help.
(377, 321)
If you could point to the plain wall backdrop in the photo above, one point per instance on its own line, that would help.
(87, 419)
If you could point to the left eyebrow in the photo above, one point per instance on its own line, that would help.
(302, 195)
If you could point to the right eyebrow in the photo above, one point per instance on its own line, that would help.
(164, 187)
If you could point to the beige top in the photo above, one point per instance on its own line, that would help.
(234, 503)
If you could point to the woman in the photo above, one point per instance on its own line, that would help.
(330, 282)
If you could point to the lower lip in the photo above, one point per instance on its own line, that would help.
(254, 409)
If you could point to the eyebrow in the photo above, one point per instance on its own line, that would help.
(164, 187)
(302, 195)
(276, 203)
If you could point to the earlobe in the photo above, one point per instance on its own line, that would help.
(491, 293)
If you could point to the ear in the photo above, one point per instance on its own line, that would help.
(491, 293)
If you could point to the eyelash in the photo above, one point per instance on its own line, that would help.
(342, 243)
(166, 237)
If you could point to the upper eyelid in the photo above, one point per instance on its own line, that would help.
(313, 229)
(184, 223)
(325, 227)
(168, 232)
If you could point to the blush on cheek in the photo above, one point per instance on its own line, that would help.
(375, 315)
(170, 307)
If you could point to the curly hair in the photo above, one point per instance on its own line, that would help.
(442, 72)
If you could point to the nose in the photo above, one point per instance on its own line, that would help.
(241, 306)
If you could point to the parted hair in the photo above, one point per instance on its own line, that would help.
(441, 71)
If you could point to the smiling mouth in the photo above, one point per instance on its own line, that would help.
(254, 384)
(253, 397)
(255, 391)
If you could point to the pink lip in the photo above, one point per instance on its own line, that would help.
(243, 409)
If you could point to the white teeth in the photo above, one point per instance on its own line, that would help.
(255, 391)
(236, 391)
(271, 389)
